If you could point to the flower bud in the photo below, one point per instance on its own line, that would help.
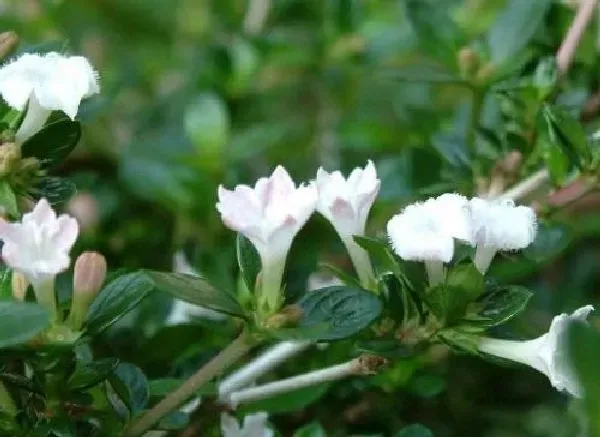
(19, 286)
(10, 155)
(90, 272)
(8, 42)
(468, 62)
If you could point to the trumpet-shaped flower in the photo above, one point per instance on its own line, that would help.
(255, 425)
(39, 247)
(46, 83)
(547, 354)
(346, 204)
(269, 215)
(426, 232)
(500, 225)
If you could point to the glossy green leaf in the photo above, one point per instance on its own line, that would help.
(55, 189)
(53, 143)
(248, 261)
(545, 77)
(87, 375)
(342, 311)
(569, 134)
(295, 400)
(116, 299)
(515, 27)
(21, 321)
(498, 306)
(415, 430)
(547, 142)
(131, 385)
(467, 277)
(196, 290)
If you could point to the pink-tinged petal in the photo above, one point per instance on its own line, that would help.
(238, 209)
(282, 185)
(10, 232)
(42, 213)
(68, 229)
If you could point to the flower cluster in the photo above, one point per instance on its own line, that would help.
(38, 248)
(271, 213)
(45, 83)
(427, 231)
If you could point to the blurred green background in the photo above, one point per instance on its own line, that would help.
(197, 93)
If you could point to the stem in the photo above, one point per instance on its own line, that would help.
(528, 186)
(363, 365)
(483, 257)
(7, 404)
(35, 117)
(236, 349)
(260, 366)
(435, 272)
(362, 263)
(566, 52)
(44, 294)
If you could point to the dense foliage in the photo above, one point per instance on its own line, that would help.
(486, 98)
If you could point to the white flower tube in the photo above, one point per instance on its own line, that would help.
(269, 215)
(38, 247)
(426, 232)
(45, 83)
(500, 225)
(547, 353)
(346, 204)
(255, 425)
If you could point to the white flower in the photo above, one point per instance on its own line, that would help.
(547, 354)
(500, 225)
(426, 232)
(39, 246)
(45, 83)
(255, 425)
(346, 204)
(269, 215)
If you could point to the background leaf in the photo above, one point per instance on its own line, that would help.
(20, 321)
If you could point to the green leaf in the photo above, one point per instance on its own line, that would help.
(467, 277)
(6, 283)
(383, 257)
(459, 341)
(206, 123)
(498, 306)
(515, 27)
(53, 143)
(584, 350)
(173, 421)
(131, 385)
(415, 430)
(248, 261)
(8, 200)
(313, 429)
(550, 241)
(547, 143)
(87, 375)
(21, 321)
(196, 290)
(295, 400)
(343, 311)
(545, 77)
(423, 73)
(116, 299)
(569, 134)
(438, 34)
(56, 190)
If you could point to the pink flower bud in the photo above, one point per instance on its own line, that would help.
(90, 272)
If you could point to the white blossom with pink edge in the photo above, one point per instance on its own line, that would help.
(38, 247)
(346, 204)
(45, 83)
(547, 354)
(269, 215)
(255, 425)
